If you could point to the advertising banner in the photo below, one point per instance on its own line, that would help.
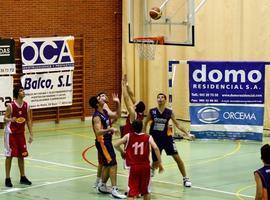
(226, 82)
(227, 99)
(47, 54)
(217, 121)
(6, 93)
(48, 89)
(7, 56)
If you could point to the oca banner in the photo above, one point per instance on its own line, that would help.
(6, 91)
(48, 89)
(47, 54)
(227, 99)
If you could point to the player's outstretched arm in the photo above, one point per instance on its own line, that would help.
(146, 121)
(128, 104)
(114, 114)
(186, 134)
(119, 142)
(157, 164)
(129, 91)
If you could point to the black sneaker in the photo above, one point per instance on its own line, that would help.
(8, 182)
(25, 181)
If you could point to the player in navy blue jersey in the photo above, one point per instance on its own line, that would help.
(262, 175)
(159, 130)
(101, 121)
(114, 116)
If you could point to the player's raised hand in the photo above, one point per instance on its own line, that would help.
(115, 98)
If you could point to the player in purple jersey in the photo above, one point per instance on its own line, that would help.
(262, 175)
(114, 114)
(159, 118)
(103, 130)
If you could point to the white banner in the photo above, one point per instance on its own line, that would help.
(6, 90)
(48, 89)
(47, 54)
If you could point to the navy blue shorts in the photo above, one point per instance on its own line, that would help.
(106, 154)
(164, 143)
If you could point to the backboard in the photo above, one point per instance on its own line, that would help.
(177, 22)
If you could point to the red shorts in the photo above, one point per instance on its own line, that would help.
(139, 180)
(15, 145)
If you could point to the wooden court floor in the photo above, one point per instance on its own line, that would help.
(62, 163)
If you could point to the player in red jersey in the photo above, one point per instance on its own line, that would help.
(135, 109)
(16, 116)
(136, 153)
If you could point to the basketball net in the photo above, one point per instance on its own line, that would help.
(146, 46)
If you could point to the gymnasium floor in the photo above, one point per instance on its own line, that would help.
(62, 159)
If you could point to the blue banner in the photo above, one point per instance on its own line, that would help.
(227, 99)
(215, 114)
(226, 82)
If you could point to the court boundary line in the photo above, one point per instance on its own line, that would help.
(45, 184)
(123, 175)
(158, 181)
(58, 164)
(207, 189)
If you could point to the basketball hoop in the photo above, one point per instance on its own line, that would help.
(146, 46)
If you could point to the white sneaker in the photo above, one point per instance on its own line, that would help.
(102, 188)
(117, 194)
(186, 182)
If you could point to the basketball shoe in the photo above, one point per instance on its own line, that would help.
(116, 194)
(186, 182)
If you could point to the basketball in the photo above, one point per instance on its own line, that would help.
(155, 13)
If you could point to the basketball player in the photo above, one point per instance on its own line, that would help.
(159, 118)
(135, 109)
(16, 116)
(136, 154)
(117, 113)
(101, 122)
(262, 175)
